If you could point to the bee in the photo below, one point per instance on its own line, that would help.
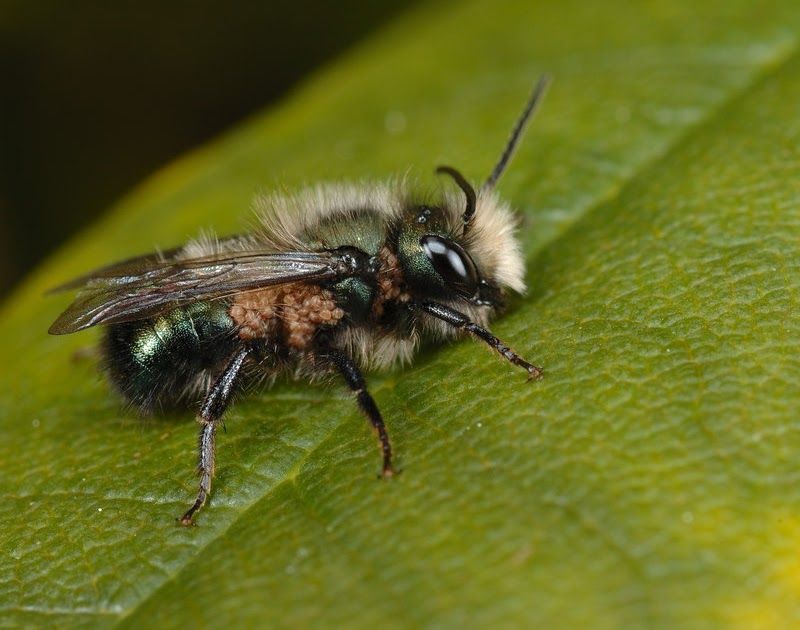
(335, 279)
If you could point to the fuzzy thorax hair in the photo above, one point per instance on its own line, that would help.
(289, 222)
(284, 221)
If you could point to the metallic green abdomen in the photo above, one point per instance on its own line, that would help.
(161, 360)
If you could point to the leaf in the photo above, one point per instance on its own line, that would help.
(651, 479)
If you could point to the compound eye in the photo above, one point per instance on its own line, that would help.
(452, 263)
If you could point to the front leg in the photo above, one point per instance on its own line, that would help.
(214, 405)
(355, 381)
(462, 322)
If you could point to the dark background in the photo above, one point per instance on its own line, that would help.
(96, 94)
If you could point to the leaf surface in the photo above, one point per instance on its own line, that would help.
(651, 479)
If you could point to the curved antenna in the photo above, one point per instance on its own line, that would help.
(517, 131)
(466, 187)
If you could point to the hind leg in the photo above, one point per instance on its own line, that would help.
(214, 405)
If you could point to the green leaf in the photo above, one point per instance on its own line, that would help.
(651, 478)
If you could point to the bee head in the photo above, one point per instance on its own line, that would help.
(446, 256)
(465, 247)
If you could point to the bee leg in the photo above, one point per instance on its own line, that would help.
(214, 406)
(355, 381)
(461, 321)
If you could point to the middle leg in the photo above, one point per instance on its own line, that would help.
(355, 381)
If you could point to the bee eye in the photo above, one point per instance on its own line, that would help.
(452, 263)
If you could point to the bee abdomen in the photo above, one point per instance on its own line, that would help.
(160, 361)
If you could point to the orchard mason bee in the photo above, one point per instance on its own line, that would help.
(337, 278)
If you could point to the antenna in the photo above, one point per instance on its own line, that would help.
(518, 131)
(466, 188)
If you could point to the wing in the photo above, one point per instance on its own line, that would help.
(143, 287)
(128, 267)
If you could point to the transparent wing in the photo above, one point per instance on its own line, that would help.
(128, 267)
(142, 287)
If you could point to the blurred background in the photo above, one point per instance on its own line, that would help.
(96, 95)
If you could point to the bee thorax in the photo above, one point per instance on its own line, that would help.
(292, 313)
